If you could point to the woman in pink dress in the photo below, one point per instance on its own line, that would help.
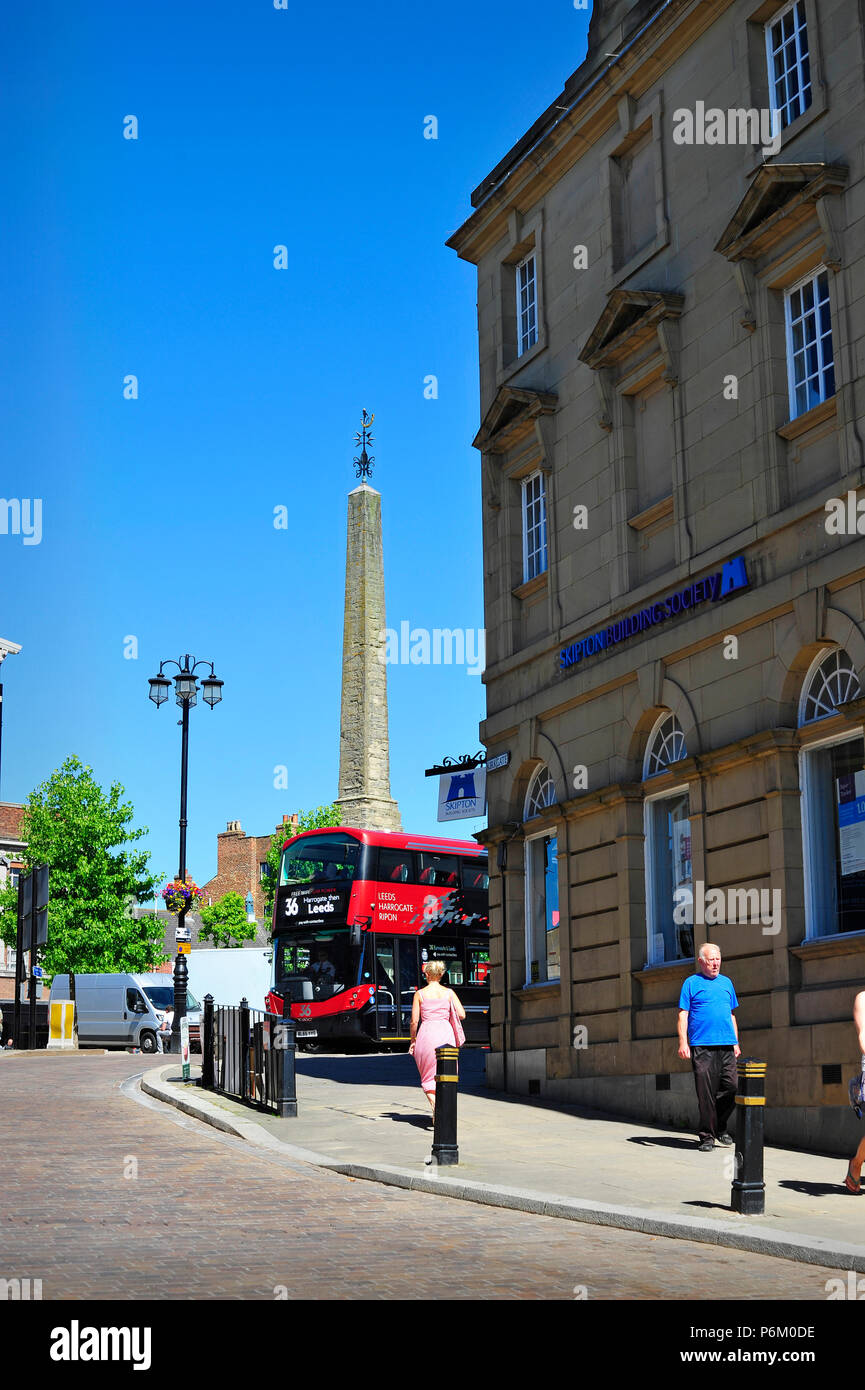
(431, 1012)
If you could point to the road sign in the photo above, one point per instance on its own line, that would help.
(493, 764)
(38, 972)
(183, 948)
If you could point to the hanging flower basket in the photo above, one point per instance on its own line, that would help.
(182, 894)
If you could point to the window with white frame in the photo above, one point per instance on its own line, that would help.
(534, 527)
(666, 745)
(542, 886)
(527, 304)
(832, 775)
(831, 682)
(541, 793)
(789, 62)
(667, 825)
(810, 359)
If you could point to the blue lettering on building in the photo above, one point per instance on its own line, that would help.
(730, 578)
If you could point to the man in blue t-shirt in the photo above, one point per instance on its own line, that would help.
(709, 1037)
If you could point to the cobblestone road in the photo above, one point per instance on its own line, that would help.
(102, 1191)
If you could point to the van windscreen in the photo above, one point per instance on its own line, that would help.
(162, 997)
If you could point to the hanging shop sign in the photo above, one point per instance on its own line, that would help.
(463, 794)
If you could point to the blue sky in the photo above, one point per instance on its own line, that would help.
(154, 257)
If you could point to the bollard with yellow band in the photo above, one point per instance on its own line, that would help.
(444, 1149)
(748, 1194)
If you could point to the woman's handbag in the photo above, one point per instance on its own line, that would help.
(457, 1026)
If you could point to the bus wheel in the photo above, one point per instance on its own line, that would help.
(310, 1046)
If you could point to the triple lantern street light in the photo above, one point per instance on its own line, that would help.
(186, 695)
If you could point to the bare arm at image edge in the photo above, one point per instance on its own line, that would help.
(859, 1023)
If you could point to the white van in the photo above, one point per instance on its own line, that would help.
(124, 1010)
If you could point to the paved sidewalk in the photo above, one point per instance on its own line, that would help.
(368, 1118)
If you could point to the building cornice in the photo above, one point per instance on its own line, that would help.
(584, 111)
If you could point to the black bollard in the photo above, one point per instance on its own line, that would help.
(286, 1050)
(181, 981)
(243, 1024)
(444, 1149)
(748, 1194)
(207, 1044)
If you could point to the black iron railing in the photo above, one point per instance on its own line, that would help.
(249, 1055)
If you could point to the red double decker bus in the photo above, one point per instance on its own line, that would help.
(357, 913)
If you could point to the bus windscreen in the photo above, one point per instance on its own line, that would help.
(331, 860)
(323, 958)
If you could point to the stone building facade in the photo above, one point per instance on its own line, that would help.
(671, 316)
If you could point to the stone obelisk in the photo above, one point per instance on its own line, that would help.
(364, 795)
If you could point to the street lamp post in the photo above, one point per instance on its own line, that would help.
(186, 695)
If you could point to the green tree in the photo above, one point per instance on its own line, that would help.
(317, 819)
(83, 835)
(225, 923)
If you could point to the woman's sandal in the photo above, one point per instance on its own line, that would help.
(850, 1182)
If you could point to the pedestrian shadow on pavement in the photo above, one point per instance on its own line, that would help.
(663, 1140)
(814, 1189)
(384, 1068)
(419, 1121)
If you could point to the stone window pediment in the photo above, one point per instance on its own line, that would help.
(511, 418)
(631, 322)
(781, 199)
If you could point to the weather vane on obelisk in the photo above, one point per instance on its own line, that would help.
(363, 465)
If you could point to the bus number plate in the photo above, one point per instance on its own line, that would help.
(306, 1033)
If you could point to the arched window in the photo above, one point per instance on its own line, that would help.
(542, 886)
(834, 681)
(541, 793)
(832, 777)
(666, 745)
(667, 824)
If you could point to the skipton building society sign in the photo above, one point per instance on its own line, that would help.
(709, 590)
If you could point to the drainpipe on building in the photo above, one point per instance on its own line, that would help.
(502, 864)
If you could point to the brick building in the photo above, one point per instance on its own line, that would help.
(671, 322)
(240, 864)
(11, 863)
